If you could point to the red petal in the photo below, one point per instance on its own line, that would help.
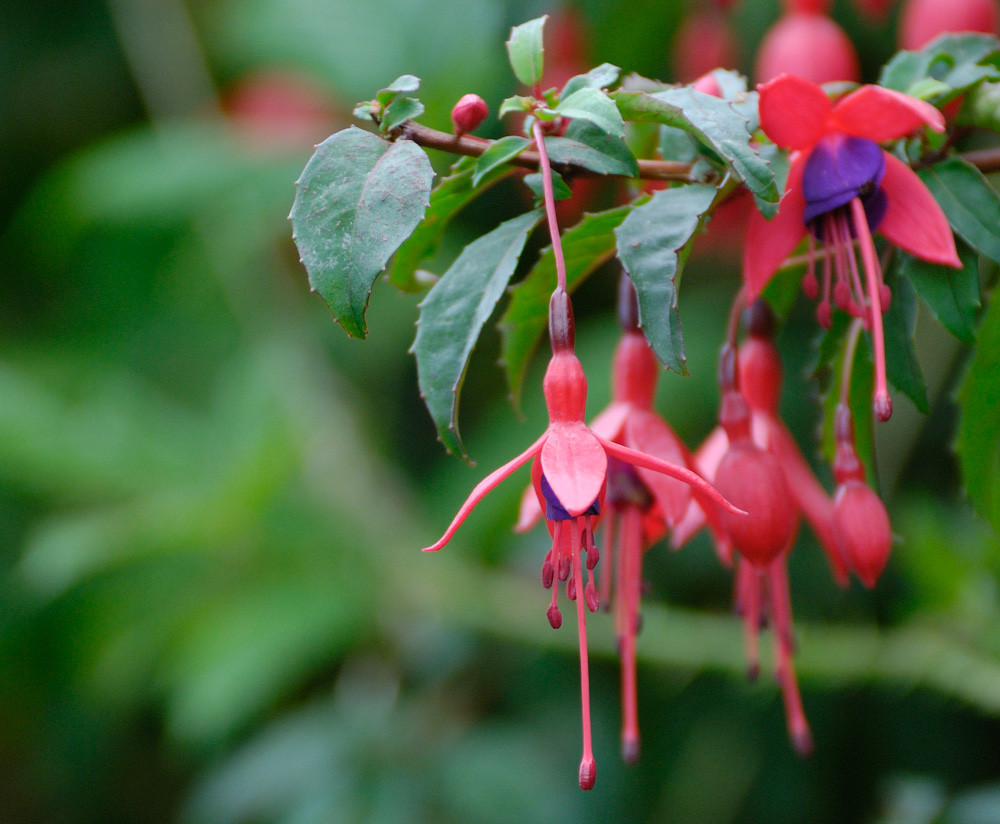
(649, 433)
(485, 486)
(914, 221)
(574, 465)
(882, 114)
(793, 111)
(769, 242)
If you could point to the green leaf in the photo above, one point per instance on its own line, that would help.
(502, 150)
(951, 294)
(716, 125)
(399, 111)
(590, 148)
(981, 108)
(595, 107)
(653, 243)
(404, 84)
(978, 443)
(448, 198)
(677, 144)
(453, 314)
(526, 50)
(901, 365)
(585, 247)
(599, 78)
(956, 61)
(560, 189)
(357, 200)
(517, 103)
(968, 201)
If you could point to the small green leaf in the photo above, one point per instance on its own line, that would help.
(502, 150)
(517, 103)
(978, 443)
(901, 364)
(358, 199)
(364, 111)
(590, 148)
(453, 314)
(448, 198)
(955, 61)
(404, 84)
(951, 294)
(968, 201)
(927, 88)
(653, 243)
(596, 107)
(399, 111)
(586, 247)
(559, 187)
(599, 78)
(981, 108)
(526, 50)
(716, 125)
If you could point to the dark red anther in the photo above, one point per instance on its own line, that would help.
(588, 774)
(810, 286)
(590, 594)
(759, 320)
(563, 569)
(824, 314)
(562, 332)
(548, 574)
(554, 616)
(571, 589)
(593, 556)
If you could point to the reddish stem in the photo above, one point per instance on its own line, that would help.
(545, 168)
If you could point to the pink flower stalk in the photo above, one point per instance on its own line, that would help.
(841, 186)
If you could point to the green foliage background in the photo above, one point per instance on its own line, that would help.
(212, 604)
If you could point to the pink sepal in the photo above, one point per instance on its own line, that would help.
(883, 114)
(649, 433)
(793, 111)
(914, 221)
(769, 242)
(574, 465)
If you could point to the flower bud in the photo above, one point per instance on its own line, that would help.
(808, 45)
(760, 373)
(923, 20)
(861, 529)
(808, 6)
(703, 42)
(877, 9)
(752, 479)
(469, 113)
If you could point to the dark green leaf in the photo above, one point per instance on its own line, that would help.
(399, 111)
(969, 202)
(587, 146)
(653, 242)
(951, 294)
(526, 50)
(595, 107)
(599, 78)
(981, 108)
(902, 367)
(559, 187)
(502, 150)
(453, 314)
(978, 442)
(585, 247)
(716, 125)
(358, 199)
(448, 198)
(957, 61)
(677, 144)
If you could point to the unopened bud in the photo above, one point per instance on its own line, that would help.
(809, 45)
(469, 113)
(861, 529)
(923, 20)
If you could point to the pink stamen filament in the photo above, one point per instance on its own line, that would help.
(630, 586)
(882, 401)
(545, 168)
(748, 588)
(587, 768)
(609, 567)
(859, 292)
(798, 726)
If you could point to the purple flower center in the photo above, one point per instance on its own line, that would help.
(839, 169)
(555, 511)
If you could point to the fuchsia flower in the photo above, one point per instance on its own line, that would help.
(570, 473)
(841, 186)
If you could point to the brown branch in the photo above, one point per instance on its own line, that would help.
(528, 159)
(986, 160)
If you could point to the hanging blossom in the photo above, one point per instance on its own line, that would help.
(570, 471)
(640, 505)
(841, 186)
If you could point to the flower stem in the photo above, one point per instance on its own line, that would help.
(545, 168)
(853, 333)
(588, 770)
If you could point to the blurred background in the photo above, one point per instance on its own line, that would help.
(213, 608)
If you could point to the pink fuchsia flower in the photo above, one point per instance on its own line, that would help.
(841, 186)
(808, 44)
(569, 474)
